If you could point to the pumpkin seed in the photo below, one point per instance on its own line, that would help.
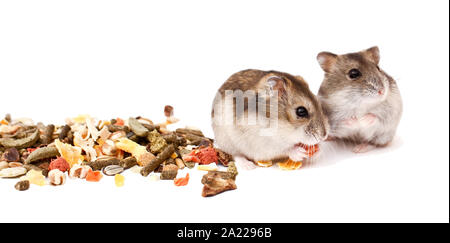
(12, 172)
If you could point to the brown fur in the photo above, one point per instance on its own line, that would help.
(293, 92)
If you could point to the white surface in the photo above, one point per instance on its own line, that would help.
(128, 58)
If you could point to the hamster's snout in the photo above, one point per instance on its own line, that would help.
(377, 86)
(318, 129)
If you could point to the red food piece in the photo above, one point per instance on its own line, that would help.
(207, 155)
(94, 176)
(60, 164)
(202, 156)
(183, 181)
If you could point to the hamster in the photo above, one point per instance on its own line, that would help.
(362, 102)
(279, 115)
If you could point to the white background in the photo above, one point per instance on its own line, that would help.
(110, 59)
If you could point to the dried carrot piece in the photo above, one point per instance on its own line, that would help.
(119, 122)
(183, 181)
(94, 176)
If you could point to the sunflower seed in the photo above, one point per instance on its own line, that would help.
(111, 170)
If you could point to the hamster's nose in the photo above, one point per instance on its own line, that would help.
(381, 91)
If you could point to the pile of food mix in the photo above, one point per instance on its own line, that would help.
(88, 149)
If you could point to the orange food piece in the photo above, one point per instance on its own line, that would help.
(4, 122)
(140, 152)
(94, 176)
(264, 163)
(120, 154)
(119, 122)
(98, 149)
(70, 153)
(183, 181)
(289, 165)
(191, 157)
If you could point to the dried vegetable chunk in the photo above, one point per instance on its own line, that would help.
(289, 165)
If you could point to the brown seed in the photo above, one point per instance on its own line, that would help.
(22, 185)
(11, 155)
(168, 110)
(8, 117)
(48, 134)
(64, 132)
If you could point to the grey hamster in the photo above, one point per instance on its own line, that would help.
(362, 102)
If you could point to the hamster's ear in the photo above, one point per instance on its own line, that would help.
(373, 54)
(326, 60)
(272, 83)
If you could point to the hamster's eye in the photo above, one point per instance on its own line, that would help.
(354, 73)
(301, 112)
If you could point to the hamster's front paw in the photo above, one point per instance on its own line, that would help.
(361, 148)
(244, 163)
(368, 119)
(297, 154)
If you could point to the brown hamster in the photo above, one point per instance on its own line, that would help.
(361, 101)
(267, 115)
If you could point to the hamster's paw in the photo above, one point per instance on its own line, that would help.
(368, 119)
(297, 154)
(350, 122)
(361, 148)
(244, 163)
